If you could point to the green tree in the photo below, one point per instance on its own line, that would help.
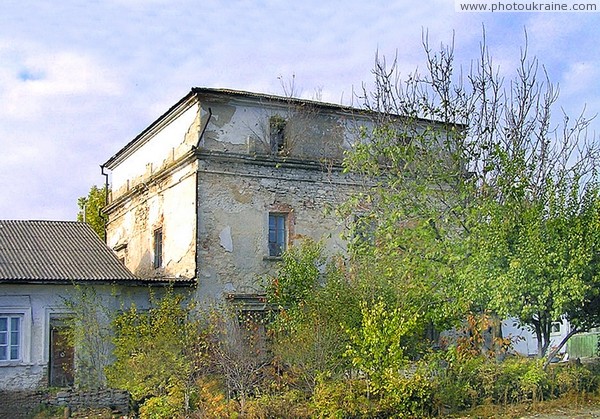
(158, 353)
(539, 258)
(453, 207)
(90, 210)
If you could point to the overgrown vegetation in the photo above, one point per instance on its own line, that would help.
(90, 209)
(487, 213)
(89, 331)
(158, 353)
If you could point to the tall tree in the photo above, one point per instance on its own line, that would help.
(90, 210)
(454, 206)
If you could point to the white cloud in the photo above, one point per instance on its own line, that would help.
(37, 81)
(78, 81)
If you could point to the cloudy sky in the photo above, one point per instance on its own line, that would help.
(80, 78)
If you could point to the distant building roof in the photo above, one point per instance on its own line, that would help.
(56, 251)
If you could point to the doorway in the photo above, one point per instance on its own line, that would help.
(62, 355)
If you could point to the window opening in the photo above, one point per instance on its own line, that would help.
(158, 248)
(277, 234)
(277, 126)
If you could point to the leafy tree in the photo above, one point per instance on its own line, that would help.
(90, 209)
(540, 259)
(486, 204)
(158, 352)
(90, 333)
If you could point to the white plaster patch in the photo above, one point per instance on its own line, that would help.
(226, 240)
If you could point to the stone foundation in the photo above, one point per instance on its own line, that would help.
(22, 404)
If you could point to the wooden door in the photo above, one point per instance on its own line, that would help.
(62, 355)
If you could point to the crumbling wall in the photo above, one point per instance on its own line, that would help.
(168, 202)
(310, 132)
(235, 199)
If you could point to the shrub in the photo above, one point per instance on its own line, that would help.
(157, 353)
(572, 378)
(408, 395)
(343, 398)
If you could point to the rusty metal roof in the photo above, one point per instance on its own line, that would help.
(56, 251)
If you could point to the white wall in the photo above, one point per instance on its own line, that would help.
(38, 303)
(524, 339)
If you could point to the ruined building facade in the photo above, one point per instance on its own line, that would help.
(222, 183)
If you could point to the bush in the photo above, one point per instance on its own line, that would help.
(344, 398)
(572, 378)
(161, 407)
(409, 395)
(158, 353)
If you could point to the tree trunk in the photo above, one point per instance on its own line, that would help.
(559, 347)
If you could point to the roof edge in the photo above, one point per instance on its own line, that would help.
(182, 105)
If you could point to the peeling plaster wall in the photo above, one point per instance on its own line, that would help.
(243, 127)
(236, 198)
(154, 187)
(169, 204)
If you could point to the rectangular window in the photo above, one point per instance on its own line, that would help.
(277, 134)
(555, 328)
(158, 248)
(277, 234)
(10, 337)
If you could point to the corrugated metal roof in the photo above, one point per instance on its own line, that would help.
(40, 251)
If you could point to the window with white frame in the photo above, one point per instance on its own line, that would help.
(11, 329)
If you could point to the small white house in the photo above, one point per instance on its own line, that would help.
(40, 263)
(525, 341)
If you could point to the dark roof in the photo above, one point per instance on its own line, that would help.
(206, 91)
(56, 251)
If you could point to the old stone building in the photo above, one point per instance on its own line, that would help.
(221, 184)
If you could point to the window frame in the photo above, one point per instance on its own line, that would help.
(17, 308)
(10, 343)
(279, 245)
(158, 245)
(556, 328)
(277, 134)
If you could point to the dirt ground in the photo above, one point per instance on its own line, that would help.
(565, 408)
(564, 413)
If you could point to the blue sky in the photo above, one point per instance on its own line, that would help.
(80, 78)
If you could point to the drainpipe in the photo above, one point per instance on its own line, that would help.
(197, 186)
(105, 199)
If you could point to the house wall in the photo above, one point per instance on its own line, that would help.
(235, 198)
(243, 126)
(157, 150)
(216, 197)
(167, 202)
(37, 303)
(524, 340)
